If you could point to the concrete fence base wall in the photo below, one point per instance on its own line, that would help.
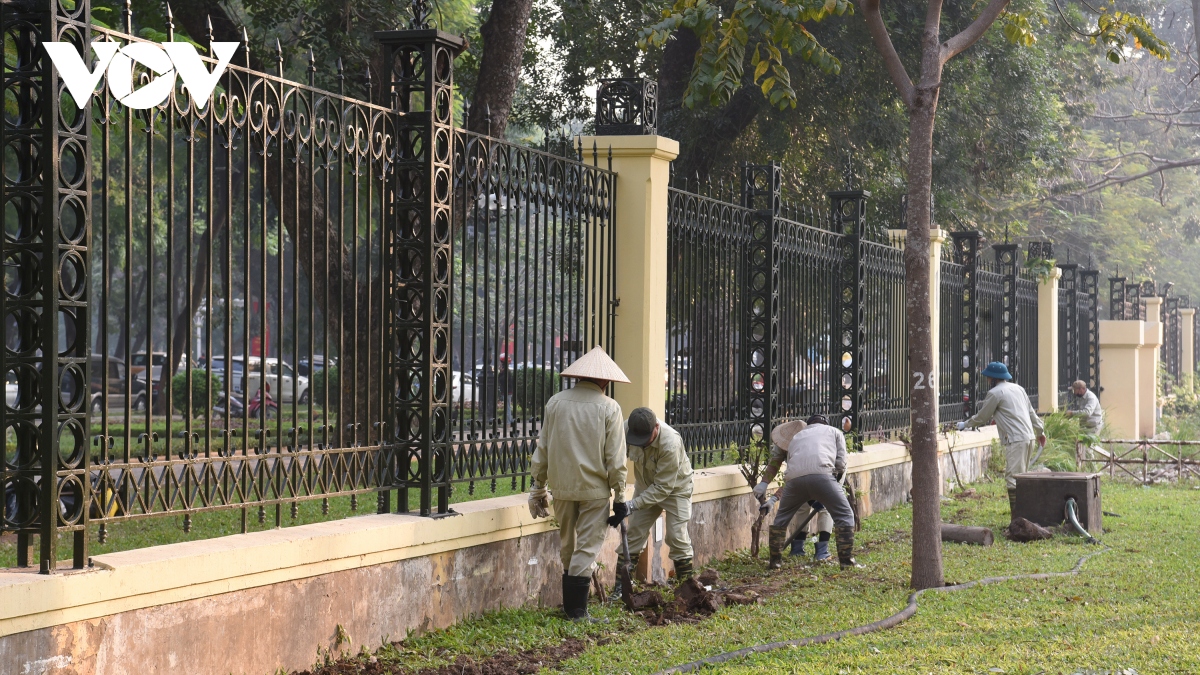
(259, 602)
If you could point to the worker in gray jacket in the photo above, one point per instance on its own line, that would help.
(1017, 422)
(663, 472)
(816, 459)
(1083, 405)
(580, 458)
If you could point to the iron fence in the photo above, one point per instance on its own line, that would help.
(533, 288)
(707, 239)
(1024, 341)
(885, 404)
(952, 328)
(261, 299)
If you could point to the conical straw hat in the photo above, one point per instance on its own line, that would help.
(781, 435)
(596, 365)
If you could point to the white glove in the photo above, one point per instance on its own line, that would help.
(760, 490)
(539, 502)
(961, 426)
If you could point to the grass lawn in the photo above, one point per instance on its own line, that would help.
(1136, 606)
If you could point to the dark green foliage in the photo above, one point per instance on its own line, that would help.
(322, 378)
(202, 384)
(532, 387)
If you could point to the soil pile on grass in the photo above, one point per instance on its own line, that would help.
(503, 663)
(695, 599)
(1023, 530)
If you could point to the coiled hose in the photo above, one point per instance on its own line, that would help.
(1073, 518)
(882, 624)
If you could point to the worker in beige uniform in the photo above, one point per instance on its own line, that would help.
(1083, 405)
(580, 460)
(663, 475)
(1017, 422)
(815, 453)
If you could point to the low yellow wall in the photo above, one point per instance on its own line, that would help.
(176, 573)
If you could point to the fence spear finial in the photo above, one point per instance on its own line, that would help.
(370, 85)
(312, 68)
(128, 13)
(279, 57)
(170, 23)
(246, 45)
(208, 31)
(341, 76)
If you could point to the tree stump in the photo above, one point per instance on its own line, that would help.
(964, 534)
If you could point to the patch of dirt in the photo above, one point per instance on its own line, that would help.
(958, 516)
(502, 663)
(969, 493)
(694, 600)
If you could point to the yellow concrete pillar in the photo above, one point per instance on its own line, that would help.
(1048, 341)
(1152, 340)
(642, 165)
(1187, 349)
(1120, 344)
(937, 239)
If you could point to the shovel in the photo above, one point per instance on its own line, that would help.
(623, 570)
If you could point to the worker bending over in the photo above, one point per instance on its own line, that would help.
(815, 453)
(580, 456)
(663, 475)
(1016, 421)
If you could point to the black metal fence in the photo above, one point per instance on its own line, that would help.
(953, 300)
(282, 294)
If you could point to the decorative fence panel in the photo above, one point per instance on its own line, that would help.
(707, 241)
(1024, 361)
(887, 382)
(952, 327)
(533, 289)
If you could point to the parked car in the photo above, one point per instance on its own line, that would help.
(319, 362)
(109, 375)
(462, 388)
(137, 363)
(245, 376)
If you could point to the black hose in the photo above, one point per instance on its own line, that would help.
(882, 624)
(1073, 518)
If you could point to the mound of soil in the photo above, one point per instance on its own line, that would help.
(693, 601)
(503, 663)
(1023, 530)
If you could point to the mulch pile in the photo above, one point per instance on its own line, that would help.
(694, 600)
(1023, 530)
(502, 663)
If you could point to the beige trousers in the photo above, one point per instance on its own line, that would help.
(1017, 456)
(678, 508)
(581, 529)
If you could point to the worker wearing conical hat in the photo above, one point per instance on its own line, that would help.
(815, 453)
(580, 457)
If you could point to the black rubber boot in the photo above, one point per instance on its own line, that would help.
(775, 538)
(845, 546)
(683, 570)
(575, 596)
(1012, 502)
(615, 596)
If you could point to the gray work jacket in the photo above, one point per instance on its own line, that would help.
(1008, 406)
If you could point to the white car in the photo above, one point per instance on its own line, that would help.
(247, 374)
(462, 388)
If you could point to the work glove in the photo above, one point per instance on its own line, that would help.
(837, 475)
(765, 506)
(760, 490)
(960, 426)
(621, 511)
(539, 502)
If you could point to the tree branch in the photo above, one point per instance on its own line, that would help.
(883, 42)
(1113, 181)
(971, 34)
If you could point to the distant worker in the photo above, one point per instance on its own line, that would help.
(815, 453)
(1016, 421)
(1083, 405)
(580, 456)
(663, 475)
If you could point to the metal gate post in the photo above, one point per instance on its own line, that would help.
(1090, 332)
(46, 191)
(1069, 286)
(1008, 256)
(848, 215)
(420, 260)
(760, 192)
(1116, 298)
(966, 253)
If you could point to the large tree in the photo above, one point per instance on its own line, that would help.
(772, 28)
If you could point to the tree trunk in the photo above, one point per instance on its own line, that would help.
(500, 68)
(927, 540)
